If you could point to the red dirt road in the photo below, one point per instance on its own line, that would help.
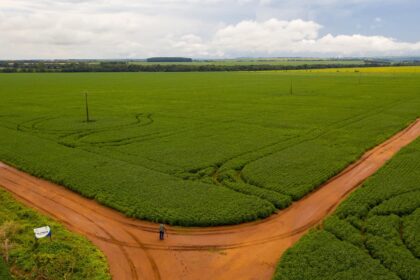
(247, 251)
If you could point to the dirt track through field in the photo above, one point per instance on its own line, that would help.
(247, 251)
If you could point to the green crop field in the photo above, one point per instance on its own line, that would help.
(199, 149)
(374, 234)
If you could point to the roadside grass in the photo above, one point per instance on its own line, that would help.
(66, 256)
(374, 234)
(4, 271)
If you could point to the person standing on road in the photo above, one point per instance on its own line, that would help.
(162, 231)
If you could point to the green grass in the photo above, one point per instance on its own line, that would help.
(199, 149)
(4, 271)
(374, 234)
(67, 256)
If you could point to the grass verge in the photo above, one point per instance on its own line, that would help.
(4, 271)
(66, 256)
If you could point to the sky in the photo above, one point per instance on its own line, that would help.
(128, 29)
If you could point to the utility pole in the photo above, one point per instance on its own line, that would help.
(87, 107)
(291, 87)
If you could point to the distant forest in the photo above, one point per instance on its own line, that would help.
(161, 66)
(169, 59)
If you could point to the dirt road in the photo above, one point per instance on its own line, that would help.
(247, 251)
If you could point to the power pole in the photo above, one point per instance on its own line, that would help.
(87, 107)
(291, 87)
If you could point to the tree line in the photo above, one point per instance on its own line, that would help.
(169, 59)
(124, 66)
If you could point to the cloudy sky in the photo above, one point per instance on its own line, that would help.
(48, 29)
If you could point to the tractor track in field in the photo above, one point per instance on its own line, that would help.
(247, 251)
(307, 137)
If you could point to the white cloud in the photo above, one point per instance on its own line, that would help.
(298, 37)
(267, 37)
(365, 45)
(197, 28)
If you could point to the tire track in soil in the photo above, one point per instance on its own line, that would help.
(247, 251)
(151, 260)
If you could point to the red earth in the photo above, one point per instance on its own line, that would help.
(246, 251)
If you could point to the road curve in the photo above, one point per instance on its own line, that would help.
(247, 251)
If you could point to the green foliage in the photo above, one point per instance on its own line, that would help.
(199, 149)
(320, 255)
(380, 221)
(400, 205)
(386, 227)
(343, 230)
(67, 256)
(4, 271)
(397, 259)
(169, 59)
(411, 236)
(279, 200)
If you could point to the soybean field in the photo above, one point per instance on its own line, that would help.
(199, 149)
(374, 234)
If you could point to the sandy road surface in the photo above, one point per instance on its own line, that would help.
(247, 251)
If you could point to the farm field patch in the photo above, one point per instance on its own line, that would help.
(372, 235)
(198, 149)
(384, 70)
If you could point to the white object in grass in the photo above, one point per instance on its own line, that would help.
(42, 232)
